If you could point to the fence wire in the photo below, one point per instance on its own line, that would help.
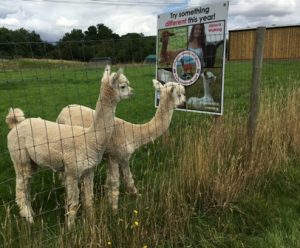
(43, 78)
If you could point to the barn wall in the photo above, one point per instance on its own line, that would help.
(280, 43)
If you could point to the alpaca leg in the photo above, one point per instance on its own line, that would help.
(129, 182)
(61, 177)
(72, 200)
(23, 199)
(87, 193)
(113, 183)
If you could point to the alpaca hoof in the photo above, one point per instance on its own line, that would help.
(133, 191)
(114, 212)
(114, 209)
(28, 217)
(70, 220)
(70, 223)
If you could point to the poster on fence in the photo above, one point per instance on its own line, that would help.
(191, 51)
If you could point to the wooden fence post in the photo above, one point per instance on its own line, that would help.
(255, 85)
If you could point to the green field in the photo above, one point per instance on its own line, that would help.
(200, 186)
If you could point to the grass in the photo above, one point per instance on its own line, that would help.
(200, 185)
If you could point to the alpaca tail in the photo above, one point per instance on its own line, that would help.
(14, 117)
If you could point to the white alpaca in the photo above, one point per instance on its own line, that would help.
(72, 149)
(128, 137)
(196, 102)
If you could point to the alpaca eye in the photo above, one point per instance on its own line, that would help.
(123, 87)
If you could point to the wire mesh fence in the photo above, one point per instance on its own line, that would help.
(43, 78)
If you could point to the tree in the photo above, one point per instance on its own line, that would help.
(99, 32)
(70, 45)
(6, 49)
(105, 33)
(91, 33)
(20, 43)
(74, 35)
(134, 47)
(99, 41)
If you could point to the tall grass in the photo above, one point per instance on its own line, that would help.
(189, 179)
(217, 165)
(186, 173)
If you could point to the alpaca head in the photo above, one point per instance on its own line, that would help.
(115, 85)
(208, 77)
(165, 36)
(174, 90)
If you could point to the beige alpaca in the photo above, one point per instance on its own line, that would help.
(128, 137)
(74, 150)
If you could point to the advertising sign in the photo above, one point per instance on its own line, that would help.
(191, 51)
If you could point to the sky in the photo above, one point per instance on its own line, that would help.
(53, 18)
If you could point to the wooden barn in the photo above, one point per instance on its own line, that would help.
(280, 43)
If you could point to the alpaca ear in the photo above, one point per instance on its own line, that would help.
(157, 85)
(120, 71)
(107, 70)
(116, 77)
(106, 73)
(172, 88)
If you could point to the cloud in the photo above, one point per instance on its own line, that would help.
(253, 13)
(9, 22)
(64, 22)
(63, 17)
(253, 8)
(245, 14)
(53, 19)
(132, 22)
(5, 11)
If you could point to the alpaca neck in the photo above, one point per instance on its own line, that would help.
(206, 88)
(164, 48)
(158, 124)
(103, 122)
(104, 115)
